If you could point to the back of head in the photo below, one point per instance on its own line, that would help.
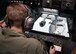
(19, 14)
(17, 11)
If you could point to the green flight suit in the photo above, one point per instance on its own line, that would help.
(12, 42)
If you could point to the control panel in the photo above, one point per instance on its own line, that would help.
(68, 4)
(47, 3)
(33, 3)
(58, 4)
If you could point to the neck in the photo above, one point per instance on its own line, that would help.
(17, 29)
(17, 26)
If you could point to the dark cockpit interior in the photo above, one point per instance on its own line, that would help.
(64, 9)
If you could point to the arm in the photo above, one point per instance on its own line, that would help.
(52, 50)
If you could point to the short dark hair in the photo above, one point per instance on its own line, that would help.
(17, 11)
